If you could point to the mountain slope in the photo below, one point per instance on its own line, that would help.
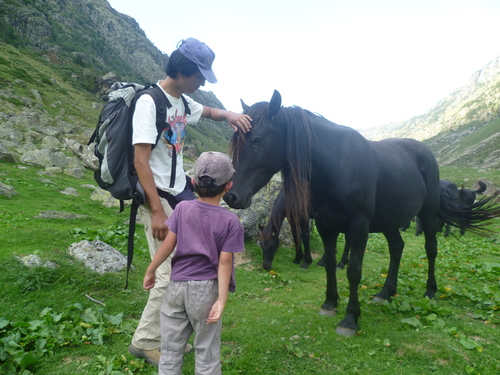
(463, 128)
(77, 43)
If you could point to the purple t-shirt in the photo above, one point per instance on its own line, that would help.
(203, 231)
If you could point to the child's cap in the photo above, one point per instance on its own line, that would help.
(213, 169)
(201, 55)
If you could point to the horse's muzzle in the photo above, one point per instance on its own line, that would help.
(235, 201)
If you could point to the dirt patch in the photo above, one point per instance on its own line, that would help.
(242, 260)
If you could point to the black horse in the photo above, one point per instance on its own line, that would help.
(353, 185)
(461, 197)
(269, 236)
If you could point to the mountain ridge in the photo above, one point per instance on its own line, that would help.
(462, 129)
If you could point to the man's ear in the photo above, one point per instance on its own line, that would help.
(229, 185)
(192, 181)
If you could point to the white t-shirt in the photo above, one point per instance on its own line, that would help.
(144, 131)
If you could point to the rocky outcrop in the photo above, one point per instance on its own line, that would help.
(98, 256)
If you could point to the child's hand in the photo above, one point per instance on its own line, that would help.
(216, 312)
(149, 281)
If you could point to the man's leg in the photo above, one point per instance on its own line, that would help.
(147, 334)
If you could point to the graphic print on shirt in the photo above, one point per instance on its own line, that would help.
(174, 132)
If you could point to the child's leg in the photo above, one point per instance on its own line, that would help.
(175, 329)
(202, 295)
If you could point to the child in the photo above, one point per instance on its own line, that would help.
(206, 236)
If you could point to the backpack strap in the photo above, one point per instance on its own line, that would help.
(131, 231)
(162, 104)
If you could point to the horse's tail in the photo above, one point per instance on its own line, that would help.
(473, 218)
(482, 187)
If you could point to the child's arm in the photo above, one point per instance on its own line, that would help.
(224, 276)
(164, 251)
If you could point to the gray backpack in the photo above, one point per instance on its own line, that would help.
(112, 144)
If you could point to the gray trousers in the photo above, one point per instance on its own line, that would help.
(185, 310)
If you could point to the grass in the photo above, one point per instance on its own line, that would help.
(271, 324)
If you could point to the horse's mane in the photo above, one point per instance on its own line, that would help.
(296, 125)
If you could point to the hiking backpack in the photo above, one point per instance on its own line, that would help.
(112, 143)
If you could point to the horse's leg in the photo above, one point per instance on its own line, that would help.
(447, 230)
(429, 227)
(305, 235)
(418, 230)
(345, 255)
(358, 236)
(299, 255)
(329, 307)
(396, 245)
(321, 262)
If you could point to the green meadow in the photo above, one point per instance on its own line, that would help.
(71, 320)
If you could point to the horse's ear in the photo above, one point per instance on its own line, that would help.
(245, 107)
(274, 104)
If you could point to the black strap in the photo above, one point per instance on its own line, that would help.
(131, 231)
(185, 195)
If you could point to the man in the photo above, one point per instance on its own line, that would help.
(160, 169)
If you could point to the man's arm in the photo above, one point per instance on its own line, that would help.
(224, 277)
(238, 121)
(142, 151)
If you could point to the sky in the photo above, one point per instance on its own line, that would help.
(360, 63)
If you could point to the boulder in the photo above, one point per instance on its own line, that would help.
(98, 256)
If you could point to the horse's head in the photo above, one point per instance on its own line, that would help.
(269, 242)
(258, 154)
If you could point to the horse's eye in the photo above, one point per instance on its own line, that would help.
(257, 140)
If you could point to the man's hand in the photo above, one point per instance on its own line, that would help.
(158, 226)
(239, 121)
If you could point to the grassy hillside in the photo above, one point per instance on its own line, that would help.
(63, 89)
(49, 325)
(60, 95)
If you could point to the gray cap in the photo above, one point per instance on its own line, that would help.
(201, 55)
(213, 169)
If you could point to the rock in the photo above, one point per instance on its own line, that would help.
(5, 154)
(74, 172)
(98, 256)
(51, 143)
(70, 191)
(7, 190)
(47, 181)
(35, 261)
(259, 211)
(106, 198)
(45, 158)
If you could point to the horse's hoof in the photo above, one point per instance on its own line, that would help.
(304, 265)
(347, 332)
(320, 263)
(378, 299)
(328, 312)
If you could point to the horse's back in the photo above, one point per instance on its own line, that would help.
(408, 181)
